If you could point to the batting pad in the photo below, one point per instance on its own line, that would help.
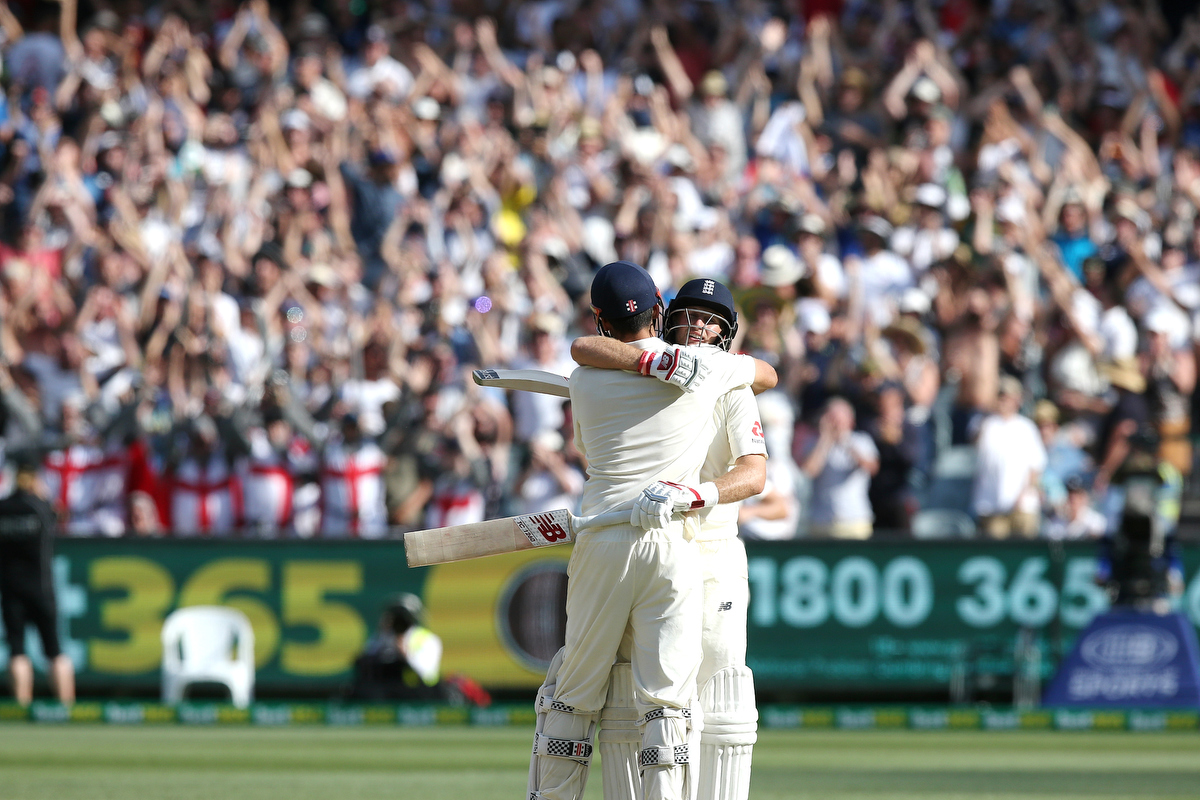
(665, 755)
(562, 744)
(730, 731)
(619, 738)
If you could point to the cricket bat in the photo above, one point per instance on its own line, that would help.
(527, 380)
(507, 535)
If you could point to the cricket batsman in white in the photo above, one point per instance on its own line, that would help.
(702, 314)
(634, 590)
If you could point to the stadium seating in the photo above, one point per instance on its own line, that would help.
(953, 477)
(942, 523)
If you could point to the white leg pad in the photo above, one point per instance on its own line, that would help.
(562, 744)
(665, 755)
(619, 738)
(730, 731)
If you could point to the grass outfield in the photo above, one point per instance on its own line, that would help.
(78, 762)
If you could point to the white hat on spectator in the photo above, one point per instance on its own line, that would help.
(811, 224)
(294, 119)
(299, 178)
(931, 195)
(678, 156)
(556, 247)
(1168, 320)
(1011, 209)
(645, 145)
(706, 218)
(112, 114)
(322, 275)
(958, 207)
(914, 301)
(545, 322)
(714, 83)
(550, 440)
(812, 316)
(926, 90)
(599, 239)
(426, 108)
(1157, 321)
(780, 267)
(1128, 208)
(877, 225)
(454, 169)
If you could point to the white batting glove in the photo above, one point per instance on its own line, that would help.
(661, 500)
(675, 365)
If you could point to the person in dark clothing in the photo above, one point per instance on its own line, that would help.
(898, 443)
(376, 203)
(1128, 417)
(1139, 561)
(403, 660)
(27, 526)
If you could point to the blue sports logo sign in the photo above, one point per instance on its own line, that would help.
(1131, 658)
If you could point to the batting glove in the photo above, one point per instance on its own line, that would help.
(674, 365)
(661, 500)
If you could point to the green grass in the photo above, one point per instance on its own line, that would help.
(106, 762)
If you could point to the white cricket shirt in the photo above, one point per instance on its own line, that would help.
(636, 430)
(739, 433)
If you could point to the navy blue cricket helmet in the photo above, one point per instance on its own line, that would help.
(705, 293)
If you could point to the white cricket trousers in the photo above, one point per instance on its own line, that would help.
(632, 595)
(726, 600)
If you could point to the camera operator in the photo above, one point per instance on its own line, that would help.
(403, 660)
(1139, 560)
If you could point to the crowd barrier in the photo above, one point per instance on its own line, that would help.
(771, 716)
(899, 616)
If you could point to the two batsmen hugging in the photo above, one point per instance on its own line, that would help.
(656, 608)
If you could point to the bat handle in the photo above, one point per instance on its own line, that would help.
(607, 518)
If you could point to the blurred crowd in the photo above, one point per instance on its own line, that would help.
(251, 253)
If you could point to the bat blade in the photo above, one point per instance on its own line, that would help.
(526, 380)
(494, 536)
(488, 538)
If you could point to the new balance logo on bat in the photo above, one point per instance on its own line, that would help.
(543, 529)
(726, 606)
(550, 530)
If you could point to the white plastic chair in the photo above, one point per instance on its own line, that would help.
(208, 644)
